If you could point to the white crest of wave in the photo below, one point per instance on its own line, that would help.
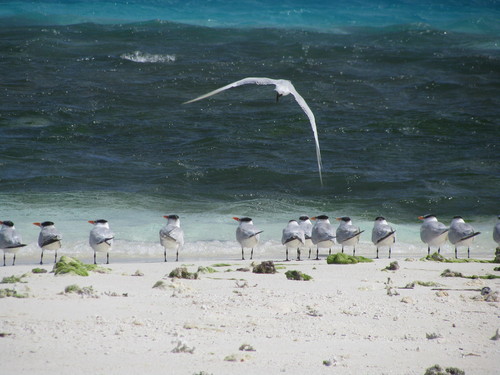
(142, 57)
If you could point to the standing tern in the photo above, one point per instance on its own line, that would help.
(347, 233)
(247, 235)
(322, 234)
(101, 238)
(382, 234)
(293, 237)
(10, 240)
(283, 87)
(496, 233)
(49, 238)
(306, 225)
(433, 232)
(172, 235)
(461, 234)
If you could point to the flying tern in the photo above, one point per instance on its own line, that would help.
(49, 238)
(172, 235)
(283, 87)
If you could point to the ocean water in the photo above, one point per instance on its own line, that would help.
(92, 125)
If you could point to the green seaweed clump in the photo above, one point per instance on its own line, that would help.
(449, 273)
(73, 288)
(221, 265)
(297, 275)
(12, 279)
(11, 293)
(202, 269)
(183, 273)
(422, 283)
(394, 266)
(247, 348)
(68, 265)
(437, 370)
(341, 258)
(38, 270)
(160, 285)
(435, 257)
(497, 255)
(265, 267)
(85, 291)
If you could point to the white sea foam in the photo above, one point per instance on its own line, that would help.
(143, 57)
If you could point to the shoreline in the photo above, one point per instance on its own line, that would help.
(342, 321)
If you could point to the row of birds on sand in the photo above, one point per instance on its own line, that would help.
(298, 234)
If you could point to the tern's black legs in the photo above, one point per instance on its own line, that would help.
(107, 258)
(41, 258)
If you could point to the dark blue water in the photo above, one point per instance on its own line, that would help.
(406, 98)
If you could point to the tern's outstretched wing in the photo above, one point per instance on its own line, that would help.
(268, 81)
(244, 81)
(300, 100)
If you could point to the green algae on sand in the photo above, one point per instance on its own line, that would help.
(341, 258)
(68, 265)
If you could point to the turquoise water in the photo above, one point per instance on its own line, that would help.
(92, 123)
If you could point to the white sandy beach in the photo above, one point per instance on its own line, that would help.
(341, 322)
